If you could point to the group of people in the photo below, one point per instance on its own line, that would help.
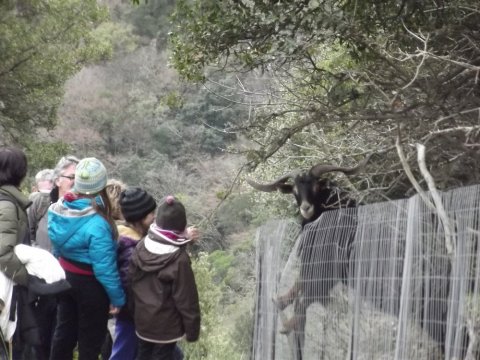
(121, 255)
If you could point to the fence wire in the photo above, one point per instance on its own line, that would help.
(372, 282)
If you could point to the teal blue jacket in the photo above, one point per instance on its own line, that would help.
(80, 234)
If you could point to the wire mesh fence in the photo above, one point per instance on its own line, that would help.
(372, 282)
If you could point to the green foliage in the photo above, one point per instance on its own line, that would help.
(221, 262)
(116, 37)
(234, 215)
(343, 77)
(42, 44)
(140, 89)
(44, 155)
(107, 124)
(212, 141)
(241, 275)
(173, 100)
(254, 33)
(129, 168)
(198, 22)
(233, 269)
(242, 333)
(151, 19)
(167, 140)
(214, 343)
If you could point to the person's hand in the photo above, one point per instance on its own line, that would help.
(114, 310)
(193, 233)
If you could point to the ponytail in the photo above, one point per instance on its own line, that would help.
(106, 212)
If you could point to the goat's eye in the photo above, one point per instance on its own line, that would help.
(316, 187)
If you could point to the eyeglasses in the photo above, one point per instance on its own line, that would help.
(71, 177)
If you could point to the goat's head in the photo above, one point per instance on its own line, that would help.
(313, 193)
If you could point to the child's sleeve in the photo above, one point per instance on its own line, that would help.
(185, 296)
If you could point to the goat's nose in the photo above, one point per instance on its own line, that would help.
(305, 206)
(306, 210)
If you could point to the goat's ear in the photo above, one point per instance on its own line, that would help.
(321, 184)
(285, 188)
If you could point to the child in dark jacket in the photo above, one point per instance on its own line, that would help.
(163, 285)
(138, 210)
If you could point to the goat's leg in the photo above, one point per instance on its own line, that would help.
(297, 322)
(289, 297)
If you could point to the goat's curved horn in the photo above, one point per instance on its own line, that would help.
(273, 186)
(320, 169)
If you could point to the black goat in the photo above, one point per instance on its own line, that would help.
(314, 195)
(322, 266)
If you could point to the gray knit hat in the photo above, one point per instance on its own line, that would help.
(90, 176)
(136, 204)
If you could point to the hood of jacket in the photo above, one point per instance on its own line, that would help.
(66, 217)
(16, 194)
(153, 255)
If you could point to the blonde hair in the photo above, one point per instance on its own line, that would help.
(106, 211)
(113, 189)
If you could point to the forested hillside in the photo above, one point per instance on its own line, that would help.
(168, 135)
(190, 96)
(104, 88)
(346, 79)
